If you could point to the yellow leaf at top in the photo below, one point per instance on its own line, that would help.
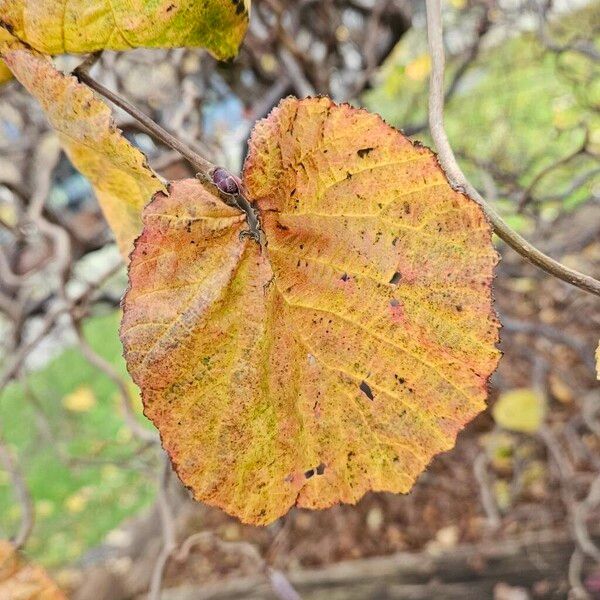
(81, 26)
(20, 580)
(520, 410)
(340, 356)
(119, 173)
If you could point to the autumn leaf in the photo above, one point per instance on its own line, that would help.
(81, 26)
(119, 173)
(20, 580)
(342, 355)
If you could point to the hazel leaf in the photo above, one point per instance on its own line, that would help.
(337, 357)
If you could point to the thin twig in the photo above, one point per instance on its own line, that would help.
(203, 165)
(456, 176)
(488, 502)
(280, 584)
(168, 531)
(205, 168)
(21, 493)
(145, 435)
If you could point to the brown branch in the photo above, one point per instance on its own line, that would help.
(458, 179)
(145, 435)
(50, 321)
(21, 493)
(205, 168)
(168, 531)
(203, 165)
(526, 194)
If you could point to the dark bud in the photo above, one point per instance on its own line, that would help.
(225, 181)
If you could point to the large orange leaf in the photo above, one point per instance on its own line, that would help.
(122, 180)
(20, 580)
(340, 357)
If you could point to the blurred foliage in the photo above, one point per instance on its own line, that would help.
(520, 410)
(66, 426)
(518, 109)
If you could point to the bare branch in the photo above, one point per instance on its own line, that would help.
(21, 493)
(203, 165)
(146, 435)
(453, 171)
(168, 531)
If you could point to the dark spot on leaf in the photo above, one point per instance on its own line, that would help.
(394, 302)
(170, 7)
(308, 474)
(459, 307)
(282, 227)
(396, 277)
(348, 175)
(321, 469)
(364, 387)
(345, 277)
(364, 152)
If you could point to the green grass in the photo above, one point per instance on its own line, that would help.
(518, 109)
(78, 503)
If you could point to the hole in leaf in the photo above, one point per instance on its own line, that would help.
(364, 387)
(364, 152)
(320, 469)
(308, 474)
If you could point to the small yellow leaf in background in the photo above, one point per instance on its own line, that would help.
(561, 391)
(419, 68)
(44, 508)
(20, 580)
(77, 502)
(122, 180)
(502, 494)
(520, 410)
(80, 400)
(458, 4)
